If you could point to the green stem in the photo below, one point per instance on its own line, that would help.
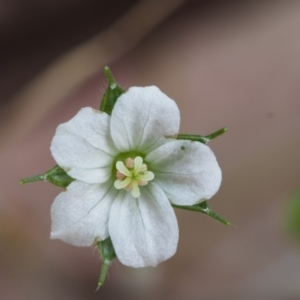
(206, 211)
(193, 137)
(108, 254)
(109, 76)
(190, 208)
(103, 273)
(202, 139)
(216, 133)
(32, 179)
(217, 217)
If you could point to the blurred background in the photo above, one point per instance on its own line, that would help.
(225, 63)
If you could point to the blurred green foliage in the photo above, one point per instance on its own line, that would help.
(292, 215)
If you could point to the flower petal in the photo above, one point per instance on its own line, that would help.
(188, 172)
(93, 126)
(80, 214)
(97, 175)
(144, 231)
(142, 117)
(83, 146)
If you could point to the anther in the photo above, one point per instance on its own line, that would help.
(131, 175)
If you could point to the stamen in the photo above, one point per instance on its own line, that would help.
(144, 168)
(120, 175)
(147, 176)
(142, 183)
(129, 162)
(128, 187)
(135, 192)
(138, 161)
(120, 167)
(132, 175)
(122, 184)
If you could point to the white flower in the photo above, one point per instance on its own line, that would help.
(127, 171)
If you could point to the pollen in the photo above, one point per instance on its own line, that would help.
(131, 175)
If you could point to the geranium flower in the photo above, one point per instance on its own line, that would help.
(128, 169)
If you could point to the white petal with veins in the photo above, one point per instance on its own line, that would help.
(187, 172)
(142, 117)
(144, 231)
(127, 195)
(80, 214)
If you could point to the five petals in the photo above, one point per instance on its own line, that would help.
(143, 230)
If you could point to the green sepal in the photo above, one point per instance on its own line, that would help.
(56, 176)
(292, 215)
(112, 93)
(108, 254)
(204, 139)
(204, 208)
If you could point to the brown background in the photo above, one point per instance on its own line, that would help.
(233, 64)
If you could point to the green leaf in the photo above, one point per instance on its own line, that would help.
(56, 176)
(108, 254)
(204, 208)
(112, 93)
(292, 216)
(200, 138)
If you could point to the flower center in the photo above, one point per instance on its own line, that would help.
(131, 175)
